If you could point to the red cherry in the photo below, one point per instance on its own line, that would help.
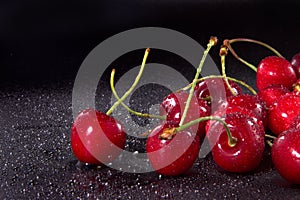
(239, 110)
(282, 114)
(295, 61)
(286, 155)
(174, 105)
(275, 70)
(272, 93)
(211, 87)
(296, 123)
(296, 87)
(247, 153)
(96, 137)
(173, 156)
(250, 102)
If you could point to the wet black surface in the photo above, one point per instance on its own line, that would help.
(37, 160)
(42, 46)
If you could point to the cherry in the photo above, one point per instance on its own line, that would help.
(174, 104)
(250, 102)
(282, 114)
(272, 93)
(239, 110)
(172, 156)
(246, 153)
(295, 61)
(213, 85)
(286, 155)
(296, 123)
(275, 70)
(296, 87)
(96, 137)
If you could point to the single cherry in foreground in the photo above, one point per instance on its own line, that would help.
(175, 155)
(275, 70)
(96, 138)
(286, 155)
(246, 153)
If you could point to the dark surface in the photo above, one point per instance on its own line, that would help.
(41, 48)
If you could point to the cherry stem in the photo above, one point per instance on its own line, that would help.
(269, 143)
(296, 87)
(170, 132)
(270, 136)
(219, 76)
(228, 43)
(223, 53)
(212, 42)
(112, 77)
(138, 77)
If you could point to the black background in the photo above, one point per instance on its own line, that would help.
(48, 40)
(42, 45)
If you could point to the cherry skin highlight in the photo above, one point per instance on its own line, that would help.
(250, 102)
(247, 153)
(283, 113)
(174, 156)
(286, 155)
(211, 87)
(173, 106)
(295, 61)
(275, 70)
(96, 138)
(272, 93)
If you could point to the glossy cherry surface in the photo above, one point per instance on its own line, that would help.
(238, 110)
(275, 70)
(250, 102)
(272, 93)
(96, 138)
(173, 156)
(212, 87)
(286, 155)
(295, 61)
(173, 105)
(282, 114)
(247, 153)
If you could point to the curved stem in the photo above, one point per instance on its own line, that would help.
(212, 42)
(219, 76)
(112, 77)
(228, 43)
(138, 77)
(256, 42)
(223, 53)
(172, 131)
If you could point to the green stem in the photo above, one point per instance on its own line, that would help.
(239, 58)
(138, 77)
(112, 77)
(269, 143)
(256, 42)
(231, 140)
(223, 53)
(270, 136)
(219, 76)
(228, 43)
(212, 42)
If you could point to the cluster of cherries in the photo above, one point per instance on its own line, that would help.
(236, 124)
